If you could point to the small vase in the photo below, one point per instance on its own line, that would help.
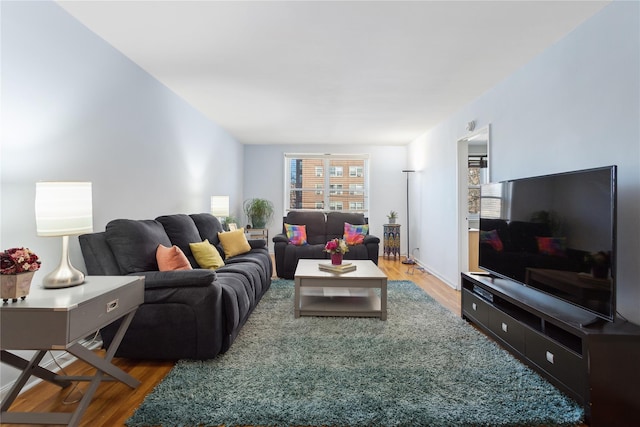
(336, 259)
(14, 286)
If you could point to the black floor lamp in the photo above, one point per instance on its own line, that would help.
(408, 259)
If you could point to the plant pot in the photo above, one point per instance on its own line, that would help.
(14, 286)
(258, 222)
(392, 220)
(336, 259)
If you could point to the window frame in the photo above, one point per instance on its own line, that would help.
(327, 189)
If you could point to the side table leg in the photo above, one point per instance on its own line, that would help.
(103, 366)
(383, 300)
(26, 373)
(296, 299)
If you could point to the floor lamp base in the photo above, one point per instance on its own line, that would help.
(408, 261)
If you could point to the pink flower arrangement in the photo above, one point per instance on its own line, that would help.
(18, 260)
(336, 246)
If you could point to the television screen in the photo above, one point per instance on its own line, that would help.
(555, 233)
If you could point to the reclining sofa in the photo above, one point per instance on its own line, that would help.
(320, 228)
(193, 313)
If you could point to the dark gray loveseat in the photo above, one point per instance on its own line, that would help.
(320, 228)
(193, 314)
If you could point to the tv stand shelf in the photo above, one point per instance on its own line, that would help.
(594, 362)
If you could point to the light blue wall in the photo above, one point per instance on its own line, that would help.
(575, 106)
(264, 178)
(74, 108)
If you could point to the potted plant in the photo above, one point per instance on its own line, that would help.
(259, 212)
(17, 267)
(228, 220)
(337, 248)
(392, 217)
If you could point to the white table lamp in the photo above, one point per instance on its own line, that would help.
(63, 209)
(220, 206)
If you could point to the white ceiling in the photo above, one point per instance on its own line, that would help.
(330, 72)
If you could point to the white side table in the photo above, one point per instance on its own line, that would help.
(56, 319)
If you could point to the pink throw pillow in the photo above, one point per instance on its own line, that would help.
(172, 258)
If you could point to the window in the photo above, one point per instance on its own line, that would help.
(335, 189)
(356, 189)
(318, 182)
(477, 175)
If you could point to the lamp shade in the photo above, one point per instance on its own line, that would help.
(220, 206)
(63, 208)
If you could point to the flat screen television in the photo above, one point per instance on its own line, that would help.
(555, 233)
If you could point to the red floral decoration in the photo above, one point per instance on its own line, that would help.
(18, 260)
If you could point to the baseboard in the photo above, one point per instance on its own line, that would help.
(437, 275)
(61, 358)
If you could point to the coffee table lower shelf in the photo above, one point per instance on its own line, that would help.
(339, 302)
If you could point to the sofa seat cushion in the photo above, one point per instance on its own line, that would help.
(134, 243)
(260, 257)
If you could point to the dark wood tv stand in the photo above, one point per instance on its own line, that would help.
(597, 365)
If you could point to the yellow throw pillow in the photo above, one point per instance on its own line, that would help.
(171, 259)
(206, 255)
(234, 242)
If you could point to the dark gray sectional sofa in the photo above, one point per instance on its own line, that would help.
(193, 314)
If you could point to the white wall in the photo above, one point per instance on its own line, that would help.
(575, 106)
(74, 108)
(264, 178)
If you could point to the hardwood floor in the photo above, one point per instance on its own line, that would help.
(114, 402)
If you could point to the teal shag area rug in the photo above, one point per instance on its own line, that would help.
(424, 366)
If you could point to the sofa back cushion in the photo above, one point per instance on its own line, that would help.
(336, 220)
(208, 227)
(134, 243)
(181, 231)
(314, 222)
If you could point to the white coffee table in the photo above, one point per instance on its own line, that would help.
(321, 293)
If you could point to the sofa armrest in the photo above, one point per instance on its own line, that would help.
(370, 239)
(280, 238)
(257, 243)
(177, 278)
